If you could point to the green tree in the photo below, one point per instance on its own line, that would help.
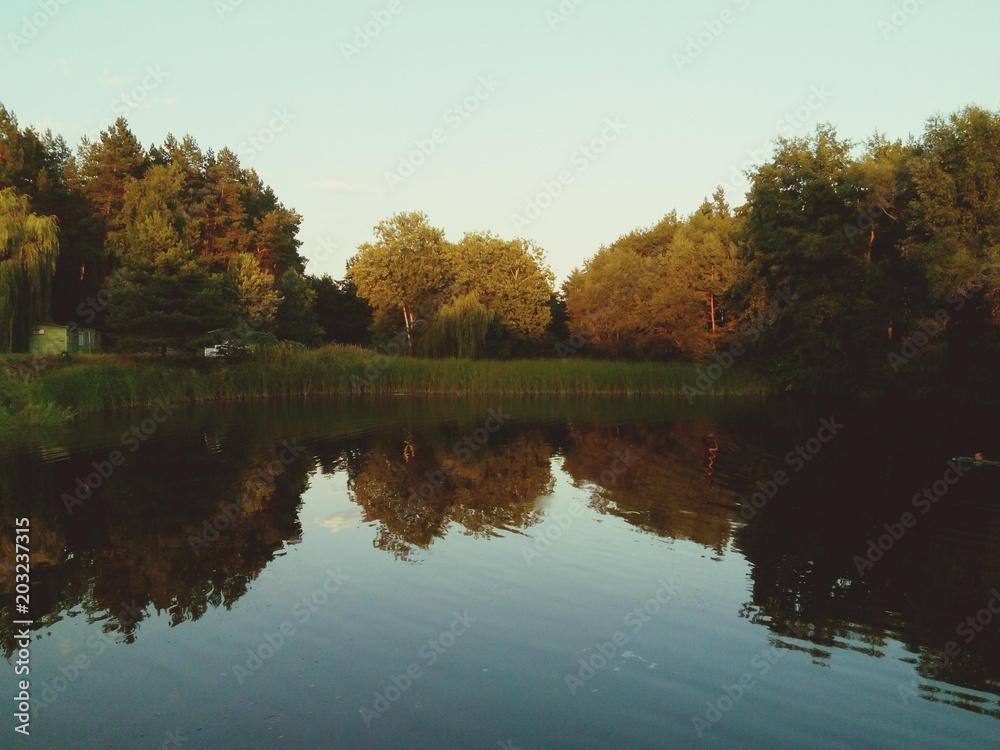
(460, 329)
(226, 229)
(953, 223)
(170, 302)
(406, 272)
(696, 275)
(609, 303)
(29, 249)
(258, 296)
(39, 167)
(296, 316)
(152, 216)
(106, 165)
(510, 278)
(795, 241)
(658, 292)
(344, 317)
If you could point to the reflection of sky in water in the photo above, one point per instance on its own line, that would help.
(551, 562)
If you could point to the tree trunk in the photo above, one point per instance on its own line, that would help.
(408, 322)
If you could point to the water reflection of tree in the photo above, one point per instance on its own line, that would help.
(127, 552)
(686, 481)
(494, 490)
(671, 487)
(802, 549)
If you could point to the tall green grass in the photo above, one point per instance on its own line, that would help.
(21, 406)
(105, 382)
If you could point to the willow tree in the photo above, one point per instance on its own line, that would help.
(460, 329)
(29, 249)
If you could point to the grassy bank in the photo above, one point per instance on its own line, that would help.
(21, 406)
(95, 383)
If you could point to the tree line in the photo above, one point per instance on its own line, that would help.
(888, 248)
(166, 248)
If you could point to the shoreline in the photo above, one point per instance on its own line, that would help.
(54, 390)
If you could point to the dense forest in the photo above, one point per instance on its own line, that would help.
(851, 267)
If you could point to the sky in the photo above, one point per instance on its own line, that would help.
(567, 122)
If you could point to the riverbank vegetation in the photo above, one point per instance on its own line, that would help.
(45, 392)
(850, 268)
(100, 382)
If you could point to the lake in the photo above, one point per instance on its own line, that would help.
(510, 573)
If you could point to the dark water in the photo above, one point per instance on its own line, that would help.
(577, 574)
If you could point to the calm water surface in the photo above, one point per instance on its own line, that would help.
(509, 574)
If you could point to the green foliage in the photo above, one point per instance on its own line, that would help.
(107, 166)
(96, 383)
(344, 317)
(29, 249)
(803, 236)
(873, 239)
(258, 297)
(660, 292)
(171, 302)
(510, 278)
(407, 271)
(460, 329)
(296, 316)
(21, 407)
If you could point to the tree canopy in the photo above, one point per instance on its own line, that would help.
(29, 248)
(890, 250)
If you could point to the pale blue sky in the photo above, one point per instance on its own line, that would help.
(352, 121)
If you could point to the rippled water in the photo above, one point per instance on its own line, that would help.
(531, 574)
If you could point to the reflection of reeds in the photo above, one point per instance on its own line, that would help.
(105, 382)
